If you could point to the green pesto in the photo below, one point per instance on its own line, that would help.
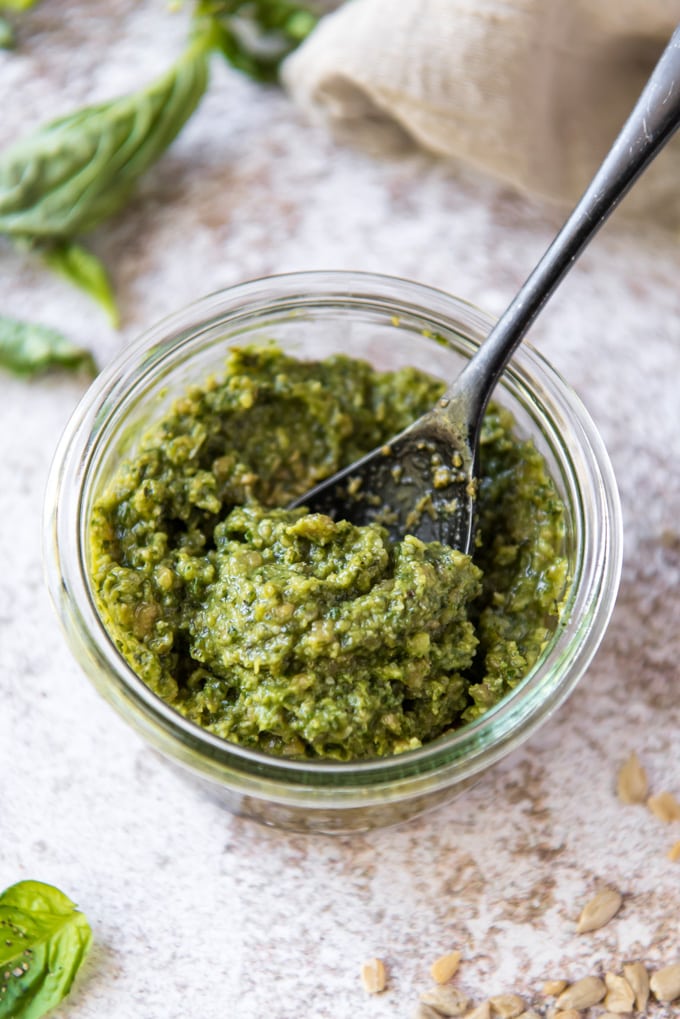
(290, 633)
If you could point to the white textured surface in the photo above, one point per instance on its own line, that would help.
(196, 913)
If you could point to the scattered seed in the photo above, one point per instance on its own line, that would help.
(620, 995)
(529, 1014)
(582, 994)
(374, 976)
(482, 1011)
(424, 1011)
(568, 1013)
(674, 852)
(507, 1006)
(447, 1001)
(665, 983)
(632, 783)
(551, 988)
(665, 806)
(599, 910)
(638, 978)
(443, 968)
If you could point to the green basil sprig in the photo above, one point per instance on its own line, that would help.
(43, 941)
(86, 271)
(74, 172)
(257, 35)
(17, 5)
(27, 348)
(7, 39)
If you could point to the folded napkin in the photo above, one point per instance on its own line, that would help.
(530, 91)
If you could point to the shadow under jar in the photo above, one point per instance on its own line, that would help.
(391, 323)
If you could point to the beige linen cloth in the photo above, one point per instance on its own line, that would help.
(530, 91)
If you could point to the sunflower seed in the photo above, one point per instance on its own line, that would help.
(551, 988)
(443, 968)
(568, 1013)
(582, 994)
(529, 1014)
(374, 976)
(448, 1001)
(665, 983)
(426, 1012)
(507, 1006)
(638, 978)
(674, 852)
(620, 995)
(665, 806)
(599, 910)
(632, 781)
(482, 1011)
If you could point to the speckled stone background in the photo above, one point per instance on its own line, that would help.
(196, 913)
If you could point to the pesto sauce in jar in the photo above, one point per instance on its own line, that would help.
(296, 635)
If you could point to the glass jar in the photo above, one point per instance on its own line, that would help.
(392, 323)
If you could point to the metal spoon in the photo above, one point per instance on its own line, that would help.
(422, 481)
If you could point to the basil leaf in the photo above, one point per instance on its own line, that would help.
(27, 348)
(256, 36)
(7, 39)
(43, 941)
(17, 5)
(84, 269)
(7, 36)
(76, 171)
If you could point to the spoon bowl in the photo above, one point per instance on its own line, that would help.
(423, 480)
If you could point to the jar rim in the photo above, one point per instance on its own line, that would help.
(464, 751)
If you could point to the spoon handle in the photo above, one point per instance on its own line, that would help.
(650, 125)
